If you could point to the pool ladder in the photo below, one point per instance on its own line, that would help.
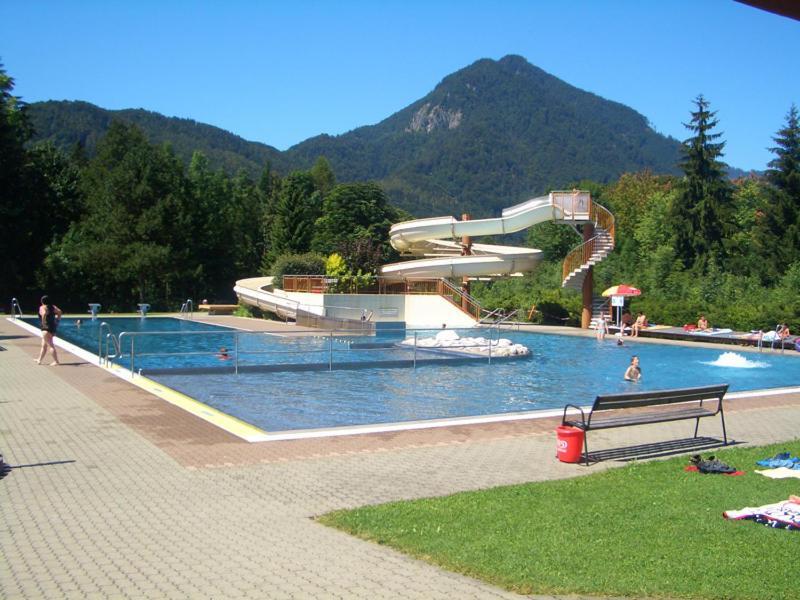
(111, 342)
(187, 309)
(15, 308)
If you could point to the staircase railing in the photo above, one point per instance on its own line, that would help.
(459, 298)
(489, 315)
(582, 254)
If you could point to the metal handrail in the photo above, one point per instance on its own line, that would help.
(472, 308)
(15, 308)
(497, 324)
(100, 340)
(111, 340)
(488, 315)
(581, 254)
(187, 309)
(778, 328)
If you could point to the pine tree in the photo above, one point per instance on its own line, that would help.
(297, 207)
(701, 213)
(777, 233)
(15, 226)
(324, 179)
(784, 172)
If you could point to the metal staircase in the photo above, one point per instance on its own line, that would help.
(584, 257)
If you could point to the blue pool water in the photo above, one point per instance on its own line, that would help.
(560, 369)
(164, 344)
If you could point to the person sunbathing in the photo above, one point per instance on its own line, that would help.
(639, 324)
(702, 323)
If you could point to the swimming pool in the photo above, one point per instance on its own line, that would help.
(560, 369)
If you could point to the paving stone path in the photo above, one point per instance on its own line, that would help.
(115, 494)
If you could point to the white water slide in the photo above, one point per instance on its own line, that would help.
(437, 240)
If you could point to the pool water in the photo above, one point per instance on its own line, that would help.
(168, 345)
(559, 370)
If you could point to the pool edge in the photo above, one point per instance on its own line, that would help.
(226, 422)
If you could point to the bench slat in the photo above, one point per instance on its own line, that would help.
(643, 419)
(659, 397)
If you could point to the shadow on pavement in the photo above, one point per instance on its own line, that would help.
(6, 468)
(659, 449)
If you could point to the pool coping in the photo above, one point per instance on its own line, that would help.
(224, 421)
(252, 434)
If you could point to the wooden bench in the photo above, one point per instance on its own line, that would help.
(624, 410)
(218, 309)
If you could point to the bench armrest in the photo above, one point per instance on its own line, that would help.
(564, 416)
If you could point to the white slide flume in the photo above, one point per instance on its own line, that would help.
(434, 239)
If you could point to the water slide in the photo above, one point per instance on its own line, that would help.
(432, 239)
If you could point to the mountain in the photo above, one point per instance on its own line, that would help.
(489, 135)
(68, 123)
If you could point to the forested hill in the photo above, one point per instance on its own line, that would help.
(491, 134)
(486, 137)
(68, 123)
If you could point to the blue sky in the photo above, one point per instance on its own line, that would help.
(280, 72)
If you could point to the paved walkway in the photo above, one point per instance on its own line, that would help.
(116, 494)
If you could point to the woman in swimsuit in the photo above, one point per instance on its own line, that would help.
(49, 316)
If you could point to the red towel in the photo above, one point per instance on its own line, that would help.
(694, 469)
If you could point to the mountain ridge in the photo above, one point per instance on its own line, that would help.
(487, 136)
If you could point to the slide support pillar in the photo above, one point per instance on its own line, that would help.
(588, 283)
(466, 250)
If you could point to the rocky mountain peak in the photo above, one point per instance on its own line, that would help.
(428, 118)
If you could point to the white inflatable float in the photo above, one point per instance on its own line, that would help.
(448, 339)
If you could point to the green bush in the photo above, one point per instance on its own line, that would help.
(243, 311)
(309, 263)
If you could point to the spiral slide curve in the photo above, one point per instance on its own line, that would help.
(432, 239)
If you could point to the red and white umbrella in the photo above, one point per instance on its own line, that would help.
(622, 290)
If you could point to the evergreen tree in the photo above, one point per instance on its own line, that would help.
(354, 211)
(784, 171)
(243, 223)
(269, 185)
(16, 231)
(700, 214)
(324, 179)
(212, 245)
(777, 233)
(296, 209)
(134, 242)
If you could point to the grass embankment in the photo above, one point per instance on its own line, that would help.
(647, 529)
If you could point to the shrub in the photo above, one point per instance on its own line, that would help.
(297, 264)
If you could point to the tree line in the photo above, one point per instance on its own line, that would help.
(694, 244)
(133, 224)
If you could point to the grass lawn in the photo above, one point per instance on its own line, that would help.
(643, 530)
